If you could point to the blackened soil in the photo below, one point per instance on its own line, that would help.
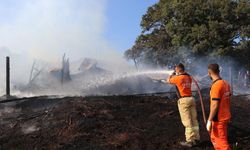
(111, 122)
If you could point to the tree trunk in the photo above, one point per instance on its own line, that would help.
(136, 65)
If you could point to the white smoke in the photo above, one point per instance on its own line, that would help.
(46, 29)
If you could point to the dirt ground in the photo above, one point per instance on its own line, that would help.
(107, 123)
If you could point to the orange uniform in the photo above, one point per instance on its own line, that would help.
(220, 91)
(183, 83)
(187, 106)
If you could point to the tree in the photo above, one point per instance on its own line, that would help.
(242, 53)
(134, 55)
(203, 27)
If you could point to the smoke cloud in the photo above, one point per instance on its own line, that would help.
(46, 29)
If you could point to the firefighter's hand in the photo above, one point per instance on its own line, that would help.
(209, 125)
(173, 74)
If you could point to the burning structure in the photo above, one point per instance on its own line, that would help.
(92, 79)
(89, 79)
(64, 73)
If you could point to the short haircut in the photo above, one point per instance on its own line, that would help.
(214, 67)
(181, 66)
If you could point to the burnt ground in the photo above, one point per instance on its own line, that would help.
(111, 122)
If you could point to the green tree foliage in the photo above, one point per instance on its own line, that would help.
(204, 27)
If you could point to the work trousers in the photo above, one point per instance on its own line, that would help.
(188, 113)
(219, 135)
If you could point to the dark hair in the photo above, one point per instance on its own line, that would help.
(214, 67)
(181, 66)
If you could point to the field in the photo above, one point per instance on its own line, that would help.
(110, 122)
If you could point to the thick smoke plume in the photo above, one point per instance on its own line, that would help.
(46, 29)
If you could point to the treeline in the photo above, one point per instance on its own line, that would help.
(204, 28)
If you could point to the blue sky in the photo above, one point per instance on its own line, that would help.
(123, 24)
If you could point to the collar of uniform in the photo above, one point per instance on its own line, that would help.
(183, 74)
(216, 80)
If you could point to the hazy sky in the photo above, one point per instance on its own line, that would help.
(81, 28)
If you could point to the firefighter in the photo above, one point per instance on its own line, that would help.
(219, 115)
(186, 105)
(247, 79)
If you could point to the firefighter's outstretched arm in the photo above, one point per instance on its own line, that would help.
(168, 79)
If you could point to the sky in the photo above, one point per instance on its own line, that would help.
(123, 21)
(45, 29)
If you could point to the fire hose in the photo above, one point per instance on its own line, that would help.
(201, 101)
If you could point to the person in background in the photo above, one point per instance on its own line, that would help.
(219, 115)
(240, 77)
(186, 105)
(247, 79)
